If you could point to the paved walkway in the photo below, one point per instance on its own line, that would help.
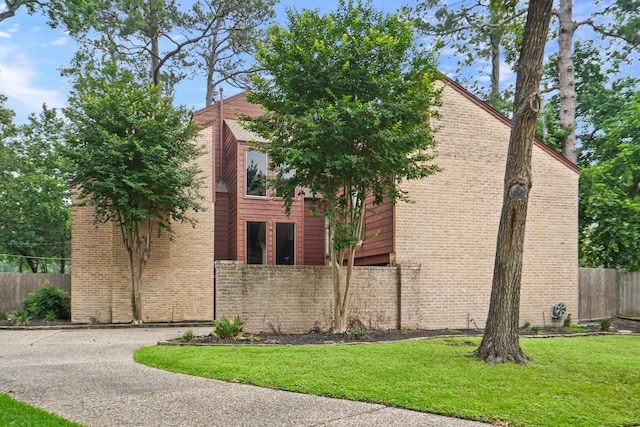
(89, 376)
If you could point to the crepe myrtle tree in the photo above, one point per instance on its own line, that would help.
(132, 155)
(348, 97)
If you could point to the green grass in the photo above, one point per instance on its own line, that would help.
(579, 381)
(14, 413)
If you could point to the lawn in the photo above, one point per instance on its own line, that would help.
(579, 381)
(14, 413)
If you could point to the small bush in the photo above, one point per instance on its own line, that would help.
(3, 316)
(225, 329)
(360, 333)
(46, 300)
(50, 316)
(527, 325)
(567, 321)
(188, 335)
(605, 325)
(21, 317)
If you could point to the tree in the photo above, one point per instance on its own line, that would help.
(478, 31)
(132, 158)
(610, 194)
(34, 194)
(500, 341)
(347, 99)
(222, 55)
(162, 42)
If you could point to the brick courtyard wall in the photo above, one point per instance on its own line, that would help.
(451, 228)
(298, 299)
(177, 282)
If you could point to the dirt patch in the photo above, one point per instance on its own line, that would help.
(365, 336)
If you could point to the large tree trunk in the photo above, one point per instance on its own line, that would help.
(566, 79)
(500, 343)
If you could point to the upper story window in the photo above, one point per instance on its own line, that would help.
(256, 173)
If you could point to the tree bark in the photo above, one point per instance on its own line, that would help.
(566, 79)
(500, 343)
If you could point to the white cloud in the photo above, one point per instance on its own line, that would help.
(23, 86)
(4, 35)
(60, 41)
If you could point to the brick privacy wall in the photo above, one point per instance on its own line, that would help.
(451, 228)
(300, 299)
(177, 280)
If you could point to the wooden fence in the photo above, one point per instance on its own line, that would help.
(14, 287)
(629, 294)
(606, 293)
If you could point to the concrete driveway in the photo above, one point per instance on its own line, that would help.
(89, 376)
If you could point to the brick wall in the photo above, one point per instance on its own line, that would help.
(177, 283)
(299, 299)
(451, 228)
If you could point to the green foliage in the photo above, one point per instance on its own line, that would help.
(22, 317)
(3, 316)
(360, 333)
(35, 218)
(133, 160)
(605, 325)
(225, 329)
(567, 321)
(188, 335)
(478, 33)
(18, 414)
(610, 195)
(131, 153)
(435, 376)
(48, 302)
(348, 97)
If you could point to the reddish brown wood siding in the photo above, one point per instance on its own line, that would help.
(221, 242)
(314, 237)
(377, 250)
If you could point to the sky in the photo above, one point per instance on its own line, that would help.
(31, 55)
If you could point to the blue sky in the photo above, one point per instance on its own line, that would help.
(31, 55)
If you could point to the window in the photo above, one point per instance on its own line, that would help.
(256, 173)
(256, 242)
(282, 176)
(285, 243)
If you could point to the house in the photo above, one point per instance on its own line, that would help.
(430, 265)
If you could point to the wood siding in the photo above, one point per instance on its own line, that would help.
(379, 221)
(221, 245)
(314, 237)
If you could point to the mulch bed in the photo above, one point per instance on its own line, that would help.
(363, 336)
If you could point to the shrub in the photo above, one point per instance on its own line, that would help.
(3, 316)
(605, 324)
(567, 321)
(360, 333)
(48, 301)
(188, 335)
(21, 317)
(225, 328)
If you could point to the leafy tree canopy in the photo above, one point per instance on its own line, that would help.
(348, 98)
(132, 156)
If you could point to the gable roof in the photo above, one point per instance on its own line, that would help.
(203, 116)
(488, 108)
(242, 134)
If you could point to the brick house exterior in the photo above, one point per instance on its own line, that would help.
(440, 248)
